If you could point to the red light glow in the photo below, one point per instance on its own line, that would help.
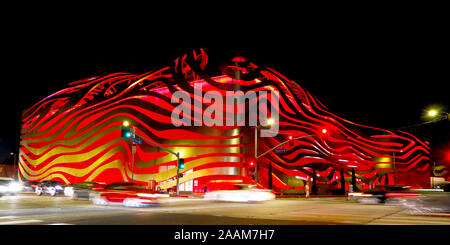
(399, 194)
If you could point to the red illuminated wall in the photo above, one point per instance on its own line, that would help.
(73, 135)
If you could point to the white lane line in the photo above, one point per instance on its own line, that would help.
(60, 224)
(20, 222)
(8, 217)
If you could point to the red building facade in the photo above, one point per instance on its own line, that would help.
(74, 135)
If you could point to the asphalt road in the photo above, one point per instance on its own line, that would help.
(28, 209)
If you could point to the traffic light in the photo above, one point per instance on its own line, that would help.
(126, 131)
(324, 131)
(291, 140)
(181, 164)
(180, 175)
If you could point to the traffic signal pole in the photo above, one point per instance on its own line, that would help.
(177, 154)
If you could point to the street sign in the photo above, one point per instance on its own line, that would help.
(280, 150)
(136, 140)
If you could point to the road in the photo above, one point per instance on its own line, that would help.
(28, 209)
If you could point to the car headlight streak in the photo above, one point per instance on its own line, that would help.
(14, 187)
(146, 195)
(68, 191)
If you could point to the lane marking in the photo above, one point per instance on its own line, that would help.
(8, 217)
(20, 222)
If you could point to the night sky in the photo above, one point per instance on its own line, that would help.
(372, 72)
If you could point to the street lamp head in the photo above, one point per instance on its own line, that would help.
(126, 123)
(324, 131)
(270, 121)
(433, 113)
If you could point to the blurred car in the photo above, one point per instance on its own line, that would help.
(51, 187)
(127, 194)
(241, 193)
(30, 186)
(82, 190)
(427, 204)
(383, 194)
(9, 186)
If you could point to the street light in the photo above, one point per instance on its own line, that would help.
(437, 113)
(432, 113)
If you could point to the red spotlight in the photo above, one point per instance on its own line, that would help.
(324, 131)
(290, 137)
(252, 164)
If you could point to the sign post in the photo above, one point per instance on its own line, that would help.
(136, 140)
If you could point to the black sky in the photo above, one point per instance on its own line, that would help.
(377, 71)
